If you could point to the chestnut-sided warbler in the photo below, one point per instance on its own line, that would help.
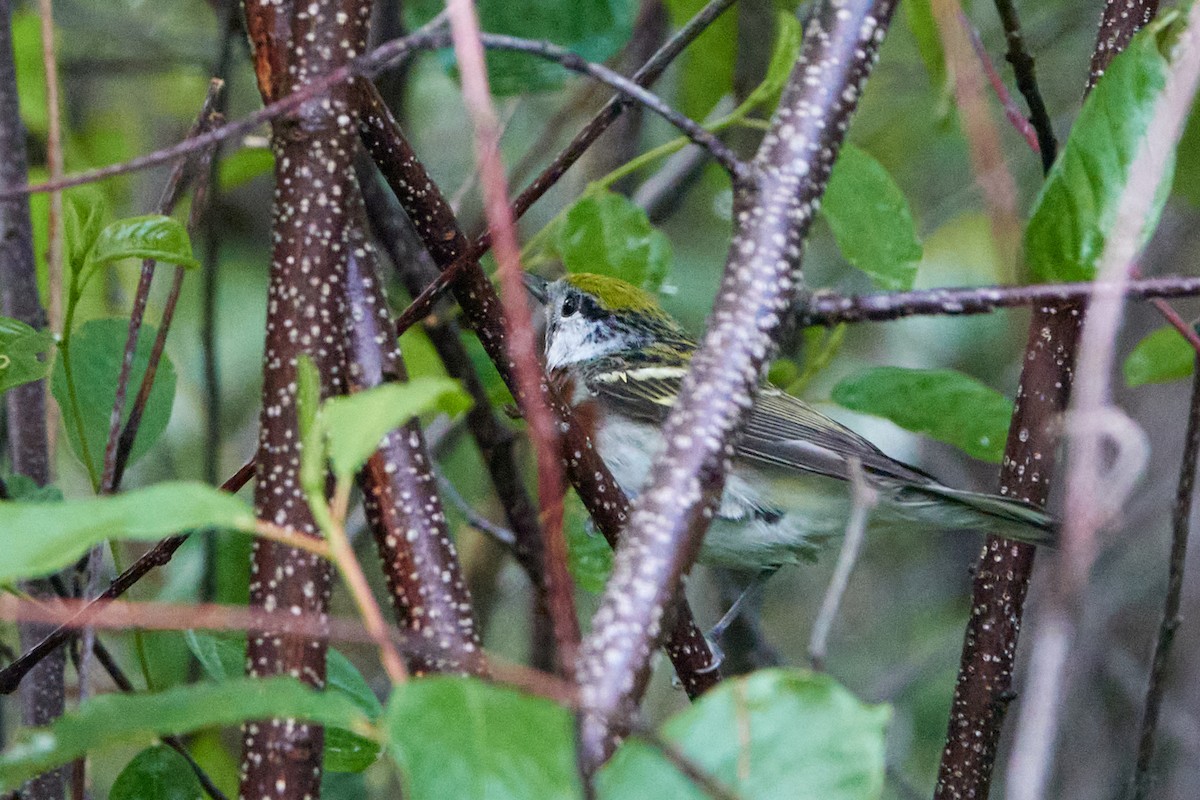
(788, 490)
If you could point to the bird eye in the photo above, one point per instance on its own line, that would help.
(570, 305)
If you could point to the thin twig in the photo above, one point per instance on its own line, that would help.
(476, 520)
(1027, 84)
(1015, 117)
(522, 343)
(54, 166)
(864, 498)
(1180, 523)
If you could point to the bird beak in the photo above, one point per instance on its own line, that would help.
(536, 286)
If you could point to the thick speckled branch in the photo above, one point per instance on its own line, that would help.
(438, 230)
(295, 48)
(424, 576)
(495, 440)
(828, 309)
(42, 696)
(983, 689)
(773, 209)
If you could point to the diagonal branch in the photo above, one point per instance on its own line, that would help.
(773, 210)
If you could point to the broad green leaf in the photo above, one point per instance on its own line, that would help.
(471, 740)
(156, 773)
(1077, 207)
(244, 166)
(39, 538)
(772, 734)
(595, 29)
(152, 236)
(607, 234)
(22, 487)
(21, 348)
(1160, 357)
(224, 657)
(947, 405)
(871, 220)
(355, 424)
(96, 352)
(138, 719)
(706, 66)
(589, 558)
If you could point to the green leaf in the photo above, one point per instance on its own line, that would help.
(947, 405)
(607, 234)
(22, 487)
(871, 220)
(138, 719)
(773, 734)
(96, 352)
(152, 236)
(39, 538)
(21, 351)
(1077, 207)
(589, 558)
(355, 424)
(1160, 357)
(31, 72)
(471, 740)
(83, 216)
(224, 657)
(595, 29)
(244, 166)
(157, 773)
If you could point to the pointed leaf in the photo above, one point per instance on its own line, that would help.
(152, 236)
(138, 719)
(1160, 357)
(1077, 207)
(40, 538)
(871, 220)
(21, 353)
(355, 424)
(772, 734)
(947, 405)
(97, 350)
(470, 740)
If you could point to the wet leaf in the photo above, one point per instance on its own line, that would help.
(942, 403)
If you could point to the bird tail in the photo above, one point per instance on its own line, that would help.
(1003, 516)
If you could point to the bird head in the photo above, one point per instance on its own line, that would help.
(593, 316)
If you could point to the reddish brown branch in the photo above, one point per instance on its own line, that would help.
(984, 686)
(297, 50)
(774, 206)
(518, 327)
(429, 594)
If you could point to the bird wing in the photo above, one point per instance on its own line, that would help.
(782, 431)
